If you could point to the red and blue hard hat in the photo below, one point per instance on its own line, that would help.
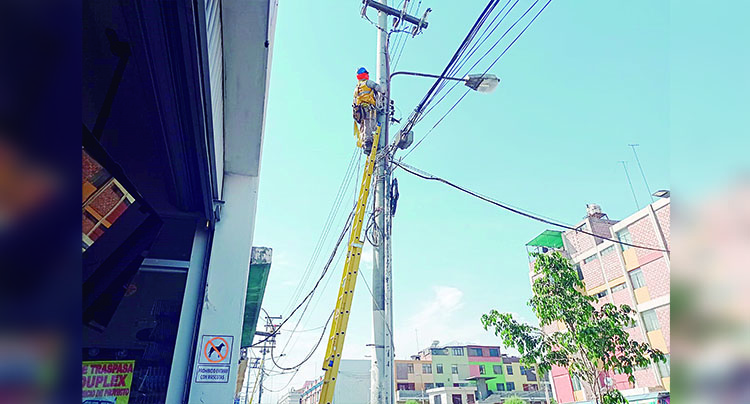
(362, 73)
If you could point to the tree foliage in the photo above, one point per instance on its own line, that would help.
(514, 400)
(573, 333)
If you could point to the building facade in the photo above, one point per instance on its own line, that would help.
(620, 274)
(352, 385)
(291, 397)
(170, 172)
(482, 369)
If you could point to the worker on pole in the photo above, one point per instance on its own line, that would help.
(367, 96)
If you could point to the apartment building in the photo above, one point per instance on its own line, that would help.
(352, 385)
(436, 370)
(620, 274)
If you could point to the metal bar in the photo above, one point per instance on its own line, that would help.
(396, 13)
(434, 76)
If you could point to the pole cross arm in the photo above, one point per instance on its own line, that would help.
(420, 23)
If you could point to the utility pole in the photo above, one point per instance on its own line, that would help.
(381, 381)
(641, 168)
(269, 329)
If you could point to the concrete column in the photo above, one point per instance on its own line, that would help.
(181, 371)
(226, 287)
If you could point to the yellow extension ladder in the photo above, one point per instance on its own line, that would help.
(348, 281)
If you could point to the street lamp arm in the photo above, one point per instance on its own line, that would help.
(434, 76)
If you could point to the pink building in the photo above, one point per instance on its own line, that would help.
(620, 274)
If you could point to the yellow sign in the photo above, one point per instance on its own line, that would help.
(107, 382)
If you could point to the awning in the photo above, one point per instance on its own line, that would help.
(260, 266)
(549, 238)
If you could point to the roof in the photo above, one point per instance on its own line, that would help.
(548, 238)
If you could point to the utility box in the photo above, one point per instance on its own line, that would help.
(405, 140)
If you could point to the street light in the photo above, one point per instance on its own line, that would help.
(662, 193)
(483, 83)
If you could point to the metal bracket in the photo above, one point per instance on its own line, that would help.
(218, 203)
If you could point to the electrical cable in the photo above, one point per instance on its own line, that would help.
(486, 70)
(471, 53)
(326, 229)
(462, 47)
(312, 291)
(312, 351)
(427, 176)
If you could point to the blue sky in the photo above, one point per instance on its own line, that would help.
(586, 79)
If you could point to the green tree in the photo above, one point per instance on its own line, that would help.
(592, 342)
(514, 400)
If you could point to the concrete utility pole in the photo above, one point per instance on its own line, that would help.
(381, 382)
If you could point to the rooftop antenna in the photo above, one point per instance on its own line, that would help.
(637, 206)
(634, 145)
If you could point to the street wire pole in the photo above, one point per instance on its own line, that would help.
(381, 381)
(269, 329)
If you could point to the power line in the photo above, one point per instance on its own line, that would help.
(312, 351)
(461, 49)
(474, 49)
(485, 71)
(326, 228)
(317, 283)
(428, 176)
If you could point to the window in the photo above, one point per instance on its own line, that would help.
(510, 386)
(470, 399)
(523, 370)
(454, 369)
(589, 259)
(481, 369)
(498, 369)
(580, 273)
(439, 385)
(439, 351)
(428, 386)
(475, 351)
(619, 287)
(530, 387)
(576, 383)
(650, 321)
(439, 368)
(601, 294)
(456, 399)
(426, 368)
(509, 368)
(501, 387)
(624, 237)
(458, 352)
(405, 386)
(437, 399)
(664, 367)
(410, 368)
(494, 352)
(636, 276)
(608, 250)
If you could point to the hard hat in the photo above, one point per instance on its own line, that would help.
(361, 70)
